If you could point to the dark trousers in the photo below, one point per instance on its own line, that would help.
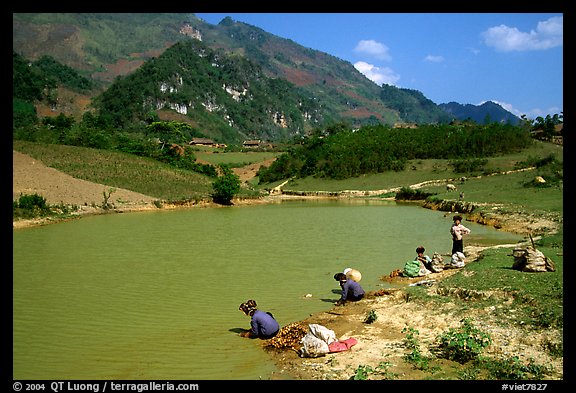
(354, 298)
(457, 246)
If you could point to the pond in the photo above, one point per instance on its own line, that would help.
(155, 295)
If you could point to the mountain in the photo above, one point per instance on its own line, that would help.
(320, 89)
(226, 97)
(487, 112)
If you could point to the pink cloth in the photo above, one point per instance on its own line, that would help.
(342, 345)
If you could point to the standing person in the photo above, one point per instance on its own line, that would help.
(458, 231)
(262, 324)
(351, 290)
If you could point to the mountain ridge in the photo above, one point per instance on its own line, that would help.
(109, 46)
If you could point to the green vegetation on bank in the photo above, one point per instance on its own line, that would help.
(342, 153)
(121, 170)
(508, 298)
(489, 286)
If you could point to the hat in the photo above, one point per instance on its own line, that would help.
(353, 274)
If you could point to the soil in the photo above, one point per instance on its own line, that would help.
(379, 341)
(384, 340)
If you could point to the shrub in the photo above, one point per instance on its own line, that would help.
(30, 206)
(464, 344)
(226, 186)
(31, 202)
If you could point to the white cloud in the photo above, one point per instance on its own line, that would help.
(535, 112)
(434, 59)
(374, 49)
(530, 114)
(509, 107)
(548, 34)
(378, 75)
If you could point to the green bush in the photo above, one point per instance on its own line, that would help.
(463, 344)
(410, 194)
(32, 202)
(30, 206)
(226, 186)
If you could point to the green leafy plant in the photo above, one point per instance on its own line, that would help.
(371, 317)
(363, 372)
(415, 356)
(463, 344)
(512, 368)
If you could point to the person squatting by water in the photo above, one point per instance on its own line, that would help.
(262, 324)
(458, 231)
(351, 290)
(424, 260)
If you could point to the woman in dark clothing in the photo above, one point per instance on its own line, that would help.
(351, 290)
(262, 324)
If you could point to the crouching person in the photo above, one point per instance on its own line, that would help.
(262, 324)
(351, 290)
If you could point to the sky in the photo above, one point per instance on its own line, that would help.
(513, 59)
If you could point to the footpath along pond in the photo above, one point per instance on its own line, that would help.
(155, 295)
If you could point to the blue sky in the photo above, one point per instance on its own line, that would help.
(514, 59)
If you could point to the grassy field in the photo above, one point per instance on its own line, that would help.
(121, 170)
(234, 159)
(533, 300)
(141, 175)
(421, 170)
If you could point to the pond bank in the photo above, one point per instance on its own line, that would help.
(382, 342)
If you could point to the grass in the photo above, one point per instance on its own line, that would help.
(533, 300)
(121, 170)
(490, 282)
(418, 171)
(234, 159)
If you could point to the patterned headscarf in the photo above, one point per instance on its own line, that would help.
(248, 306)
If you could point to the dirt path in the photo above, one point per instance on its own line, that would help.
(248, 172)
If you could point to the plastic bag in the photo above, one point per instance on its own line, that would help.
(323, 333)
(458, 259)
(315, 342)
(412, 268)
(437, 264)
(313, 347)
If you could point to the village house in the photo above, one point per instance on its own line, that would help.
(251, 143)
(201, 142)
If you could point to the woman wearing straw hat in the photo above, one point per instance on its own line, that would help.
(352, 274)
(351, 290)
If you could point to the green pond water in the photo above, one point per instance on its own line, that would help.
(155, 295)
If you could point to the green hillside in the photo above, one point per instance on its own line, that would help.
(326, 89)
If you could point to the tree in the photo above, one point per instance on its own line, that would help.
(226, 186)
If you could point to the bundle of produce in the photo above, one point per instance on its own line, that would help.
(289, 336)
